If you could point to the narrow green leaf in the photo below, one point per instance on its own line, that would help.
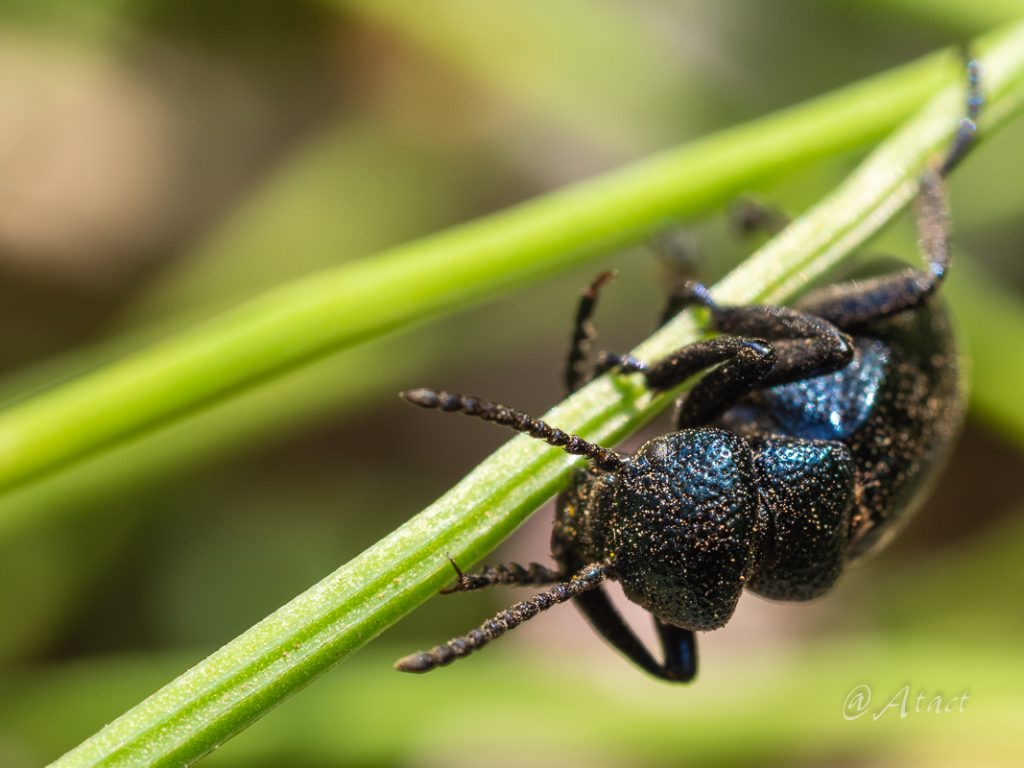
(312, 317)
(234, 686)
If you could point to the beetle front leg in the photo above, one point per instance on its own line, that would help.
(679, 645)
(512, 574)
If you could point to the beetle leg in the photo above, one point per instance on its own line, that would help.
(576, 364)
(967, 132)
(850, 305)
(765, 346)
(684, 296)
(680, 649)
(678, 644)
(748, 217)
(578, 371)
(742, 364)
(587, 578)
(512, 574)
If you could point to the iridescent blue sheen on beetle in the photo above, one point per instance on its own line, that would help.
(805, 445)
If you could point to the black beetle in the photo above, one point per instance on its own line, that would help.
(804, 447)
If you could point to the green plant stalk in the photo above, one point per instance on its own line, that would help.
(570, 708)
(609, 93)
(911, 635)
(221, 695)
(309, 318)
(964, 16)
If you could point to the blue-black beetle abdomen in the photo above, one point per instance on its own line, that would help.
(897, 407)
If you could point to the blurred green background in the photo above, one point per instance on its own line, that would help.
(162, 160)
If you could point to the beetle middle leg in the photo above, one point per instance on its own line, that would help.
(849, 305)
(577, 366)
(763, 346)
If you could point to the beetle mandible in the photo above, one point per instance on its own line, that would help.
(803, 447)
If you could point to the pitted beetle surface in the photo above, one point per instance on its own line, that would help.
(804, 446)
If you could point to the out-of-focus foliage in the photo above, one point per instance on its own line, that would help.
(160, 160)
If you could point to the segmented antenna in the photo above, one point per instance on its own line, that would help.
(603, 458)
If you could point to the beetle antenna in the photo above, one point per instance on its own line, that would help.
(603, 458)
(584, 580)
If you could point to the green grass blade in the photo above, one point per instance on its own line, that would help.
(237, 684)
(307, 319)
(787, 704)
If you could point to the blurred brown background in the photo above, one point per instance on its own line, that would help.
(161, 160)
